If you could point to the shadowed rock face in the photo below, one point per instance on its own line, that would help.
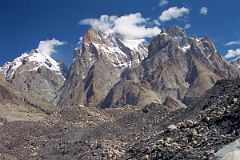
(130, 93)
(173, 104)
(179, 66)
(6, 95)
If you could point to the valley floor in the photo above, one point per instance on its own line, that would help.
(151, 132)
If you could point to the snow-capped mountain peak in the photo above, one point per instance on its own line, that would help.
(120, 51)
(37, 72)
(35, 59)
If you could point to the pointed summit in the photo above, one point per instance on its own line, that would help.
(175, 31)
(33, 60)
(113, 47)
(100, 58)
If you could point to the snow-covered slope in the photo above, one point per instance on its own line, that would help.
(37, 60)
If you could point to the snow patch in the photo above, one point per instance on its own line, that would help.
(133, 44)
(186, 48)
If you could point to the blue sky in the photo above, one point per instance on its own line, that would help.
(24, 23)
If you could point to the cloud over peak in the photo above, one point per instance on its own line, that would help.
(48, 46)
(132, 26)
(173, 13)
(232, 53)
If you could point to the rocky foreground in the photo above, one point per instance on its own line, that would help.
(151, 132)
(198, 131)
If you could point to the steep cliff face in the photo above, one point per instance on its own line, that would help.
(97, 66)
(36, 73)
(179, 66)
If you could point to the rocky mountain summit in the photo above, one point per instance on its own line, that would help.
(97, 66)
(36, 72)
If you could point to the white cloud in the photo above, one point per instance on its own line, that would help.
(132, 26)
(48, 46)
(173, 13)
(233, 53)
(104, 23)
(204, 11)
(163, 2)
(187, 26)
(233, 43)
